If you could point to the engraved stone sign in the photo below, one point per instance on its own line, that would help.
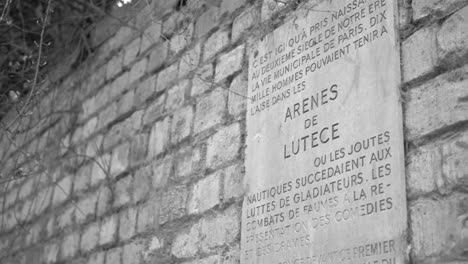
(324, 160)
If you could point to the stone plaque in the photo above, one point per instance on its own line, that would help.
(325, 161)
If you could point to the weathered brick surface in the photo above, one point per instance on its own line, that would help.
(207, 21)
(186, 243)
(176, 95)
(123, 131)
(437, 227)
(272, 7)
(215, 43)
(181, 124)
(148, 216)
(100, 170)
(170, 24)
(138, 148)
(223, 146)
(138, 70)
(161, 173)
(203, 80)
(108, 232)
(51, 252)
(144, 17)
(434, 8)
(437, 103)
(126, 103)
(157, 57)
(90, 237)
(233, 181)
(423, 170)
(167, 77)
(122, 191)
(159, 137)
(107, 115)
(86, 207)
(208, 260)
(98, 78)
(104, 200)
(131, 52)
(228, 6)
(150, 36)
(163, 7)
(42, 200)
(232, 256)
(82, 179)
(205, 194)
(238, 97)
(419, 54)
(144, 91)
(70, 245)
(89, 128)
(181, 39)
(127, 224)
(132, 252)
(189, 61)
(119, 160)
(65, 217)
(173, 204)
(229, 63)
(97, 258)
(452, 39)
(26, 189)
(142, 183)
(118, 86)
(244, 21)
(93, 148)
(11, 197)
(438, 167)
(189, 161)
(114, 66)
(220, 229)
(155, 244)
(210, 111)
(114, 255)
(121, 37)
(62, 190)
(154, 110)
(454, 166)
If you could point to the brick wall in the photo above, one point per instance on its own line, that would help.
(435, 87)
(137, 155)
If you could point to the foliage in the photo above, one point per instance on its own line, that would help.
(66, 27)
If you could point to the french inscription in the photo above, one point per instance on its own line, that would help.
(324, 159)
